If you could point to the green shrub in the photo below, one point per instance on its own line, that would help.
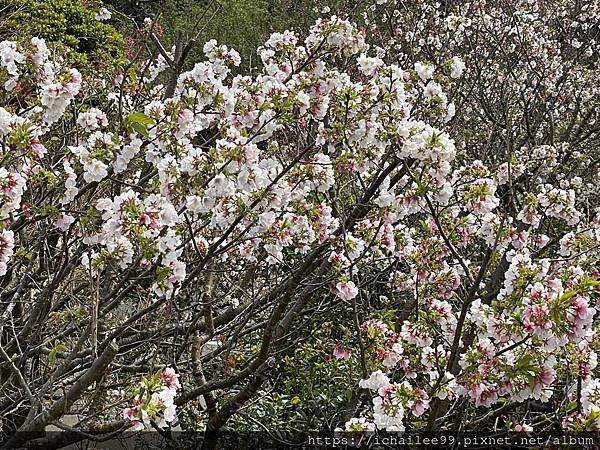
(70, 25)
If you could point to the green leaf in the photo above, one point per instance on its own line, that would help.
(54, 352)
(567, 295)
(589, 282)
(139, 123)
(140, 129)
(140, 118)
(591, 422)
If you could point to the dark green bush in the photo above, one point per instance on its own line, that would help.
(69, 24)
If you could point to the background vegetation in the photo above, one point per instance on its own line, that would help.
(69, 25)
(240, 24)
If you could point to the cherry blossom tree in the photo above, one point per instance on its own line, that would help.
(163, 232)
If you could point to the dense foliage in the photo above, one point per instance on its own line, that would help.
(386, 227)
(72, 26)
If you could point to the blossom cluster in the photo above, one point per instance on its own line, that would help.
(154, 401)
(528, 318)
